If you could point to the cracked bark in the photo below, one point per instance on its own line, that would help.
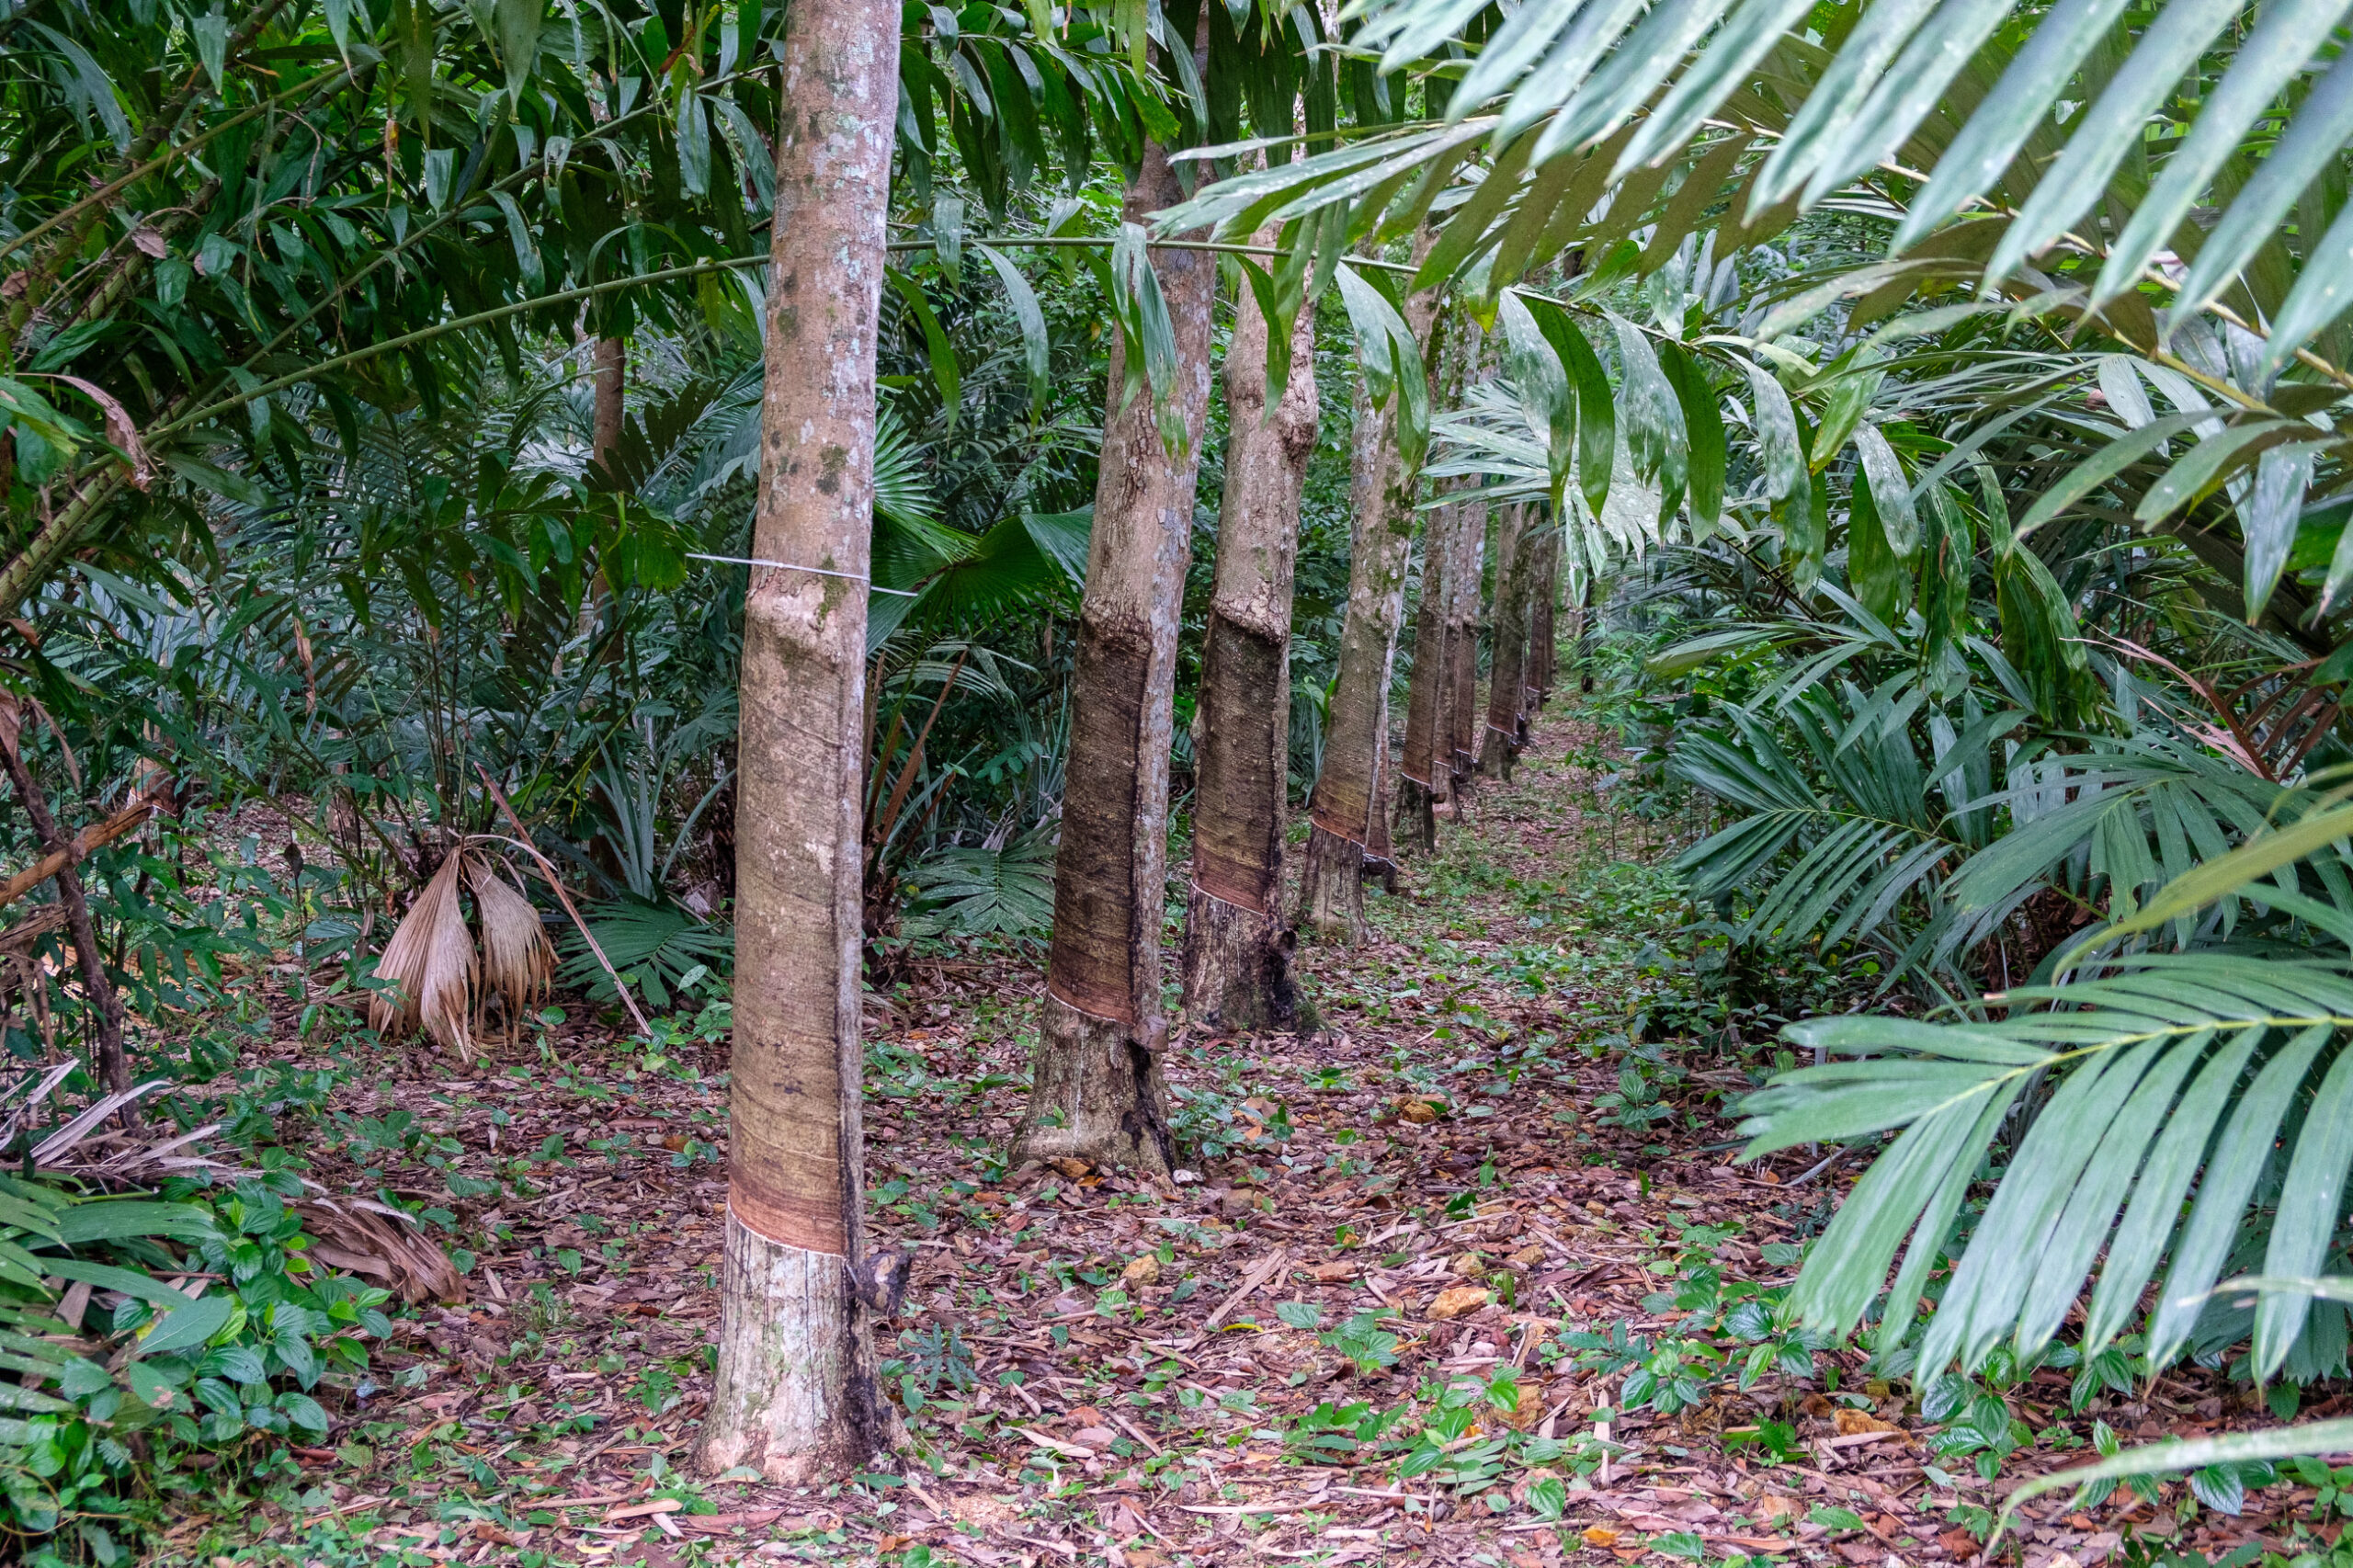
(795, 1397)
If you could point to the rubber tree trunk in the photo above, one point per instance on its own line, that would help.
(1421, 771)
(1425, 770)
(1349, 827)
(1095, 1090)
(1342, 808)
(1544, 587)
(796, 1397)
(1238, 946)
(1509, 657)
(606, 383)
(1465, 720)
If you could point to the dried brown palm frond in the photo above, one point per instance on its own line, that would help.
(21, 1101)
(88, 1149)
(358, 1235)
(440, 980)
(518, 960)
(377, 1242)
(431, 960)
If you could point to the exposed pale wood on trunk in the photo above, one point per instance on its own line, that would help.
(1238, 945)
(1096, 1091)
(796, 1397)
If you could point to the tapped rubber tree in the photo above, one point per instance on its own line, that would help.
(1346, 826)
(1424, 776)
(1097, 1092)
(796, 1396)
(1425, 770)
(1507, 661)
(1543, 591)
(1238, 946)
(1464, 566)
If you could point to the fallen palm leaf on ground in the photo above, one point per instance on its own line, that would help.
(379, 1243)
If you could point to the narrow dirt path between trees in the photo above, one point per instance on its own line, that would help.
(1389, 1312)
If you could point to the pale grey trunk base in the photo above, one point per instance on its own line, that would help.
(1237, 967)
(1331, 889)
(1096, 1094)
(795, 1397)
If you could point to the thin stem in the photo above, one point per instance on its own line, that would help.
(113, 1070)
(590, 290)
(1103, 242)
(107, 193)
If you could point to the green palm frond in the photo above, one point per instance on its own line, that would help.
(978, 890)
(2172, 1069)
(658, 947)
(1023, 561)
(1850, 829)
(903, 495)
(2173, 1456)
(1975, 137)
(2116, 825)
(1573, 120)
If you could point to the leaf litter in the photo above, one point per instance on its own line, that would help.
(1458, 1278)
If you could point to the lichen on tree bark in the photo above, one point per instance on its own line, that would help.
(795, 1396)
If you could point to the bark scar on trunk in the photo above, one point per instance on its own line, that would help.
(1092, 966)
(1238, 858)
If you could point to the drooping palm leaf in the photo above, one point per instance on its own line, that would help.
(2174, 1069)
(1615, 94)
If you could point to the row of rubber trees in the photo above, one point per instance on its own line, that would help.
(796, 1397)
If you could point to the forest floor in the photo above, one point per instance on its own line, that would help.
(1385, 1313)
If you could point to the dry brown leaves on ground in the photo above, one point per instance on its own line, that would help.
(1231, 1368)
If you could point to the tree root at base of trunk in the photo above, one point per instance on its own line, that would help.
(1237, 969)
(1097, 1093)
